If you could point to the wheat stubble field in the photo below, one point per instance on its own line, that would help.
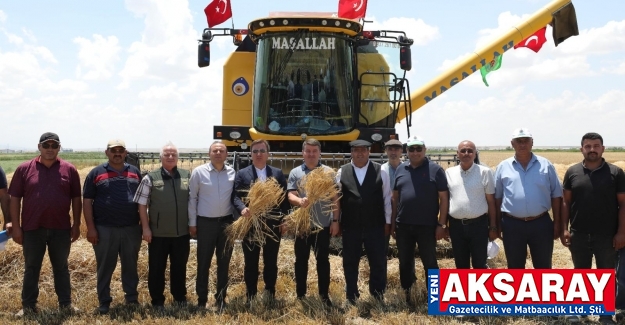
(285, 310)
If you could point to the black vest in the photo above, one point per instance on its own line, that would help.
(362, 206)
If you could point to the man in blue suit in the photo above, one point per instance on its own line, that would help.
(260, 171)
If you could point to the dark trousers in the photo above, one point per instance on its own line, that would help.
(58, 242)
(407, 236)
(373, 240)
(124, 242)
(620, 279)
(251, 256)
(211, 239)
(159, 250)
(584, 246)
(320, 244)
(519, 234)
(469, 242)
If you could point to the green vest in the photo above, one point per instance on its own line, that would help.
(169, 200)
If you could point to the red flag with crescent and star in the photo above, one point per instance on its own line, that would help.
(352, 9)
(535, 41)
(217, 12)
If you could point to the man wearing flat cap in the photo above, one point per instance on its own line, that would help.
(526, 187)
(365, 219)
(43, 189)
(420, 206)
(112, 219)
(393, 149)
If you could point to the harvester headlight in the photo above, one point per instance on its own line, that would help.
(285, 22)
(337, 23)
(243, 145)
(324, 22)
(348, 25)
(304, 136)
(235, 135)
(376, 137)
(261, 24)
(272, 22)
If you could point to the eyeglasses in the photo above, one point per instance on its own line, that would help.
(113, 150)
(46, 145)
(415, 148)
(256, 151)
(469, 151)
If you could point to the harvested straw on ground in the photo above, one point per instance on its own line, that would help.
(261, 199)
(319, 186)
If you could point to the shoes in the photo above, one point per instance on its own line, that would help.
(620, 315)
(26, 311)
(180, 304)
(572, 318)
(158, 307)
(103, 309)
(606, 320)
(132, 303)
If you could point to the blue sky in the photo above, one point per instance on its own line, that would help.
(91, 71)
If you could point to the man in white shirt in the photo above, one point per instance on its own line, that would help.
(210, 212)
(472, 214)
(365, 219)
(393, 149)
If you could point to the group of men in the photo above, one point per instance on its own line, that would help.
(416, 201)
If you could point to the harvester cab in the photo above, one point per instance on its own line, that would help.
(296, 75)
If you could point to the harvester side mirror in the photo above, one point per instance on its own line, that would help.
(405, 58)
(203, 54)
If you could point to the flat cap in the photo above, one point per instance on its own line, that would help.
(116, 143)
(393, 143)
(360, 143)
(49, 136)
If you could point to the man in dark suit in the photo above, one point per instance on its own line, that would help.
(365, 219)
(260, 171)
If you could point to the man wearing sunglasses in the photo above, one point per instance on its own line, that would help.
(420, 204)
(472, 217)
(259, 171)
(365, 219)
(42, 191)
(112, 219)
(526, 188)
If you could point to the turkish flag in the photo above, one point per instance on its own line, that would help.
(352, 9)
(217, 12)
(535, 41)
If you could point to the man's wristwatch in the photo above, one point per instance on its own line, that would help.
(442, 225)
(335, 220)
(492, 228)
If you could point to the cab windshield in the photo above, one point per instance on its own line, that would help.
(303, 84)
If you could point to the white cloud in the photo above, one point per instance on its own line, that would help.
(601, 40)
(3, 16)
(417, 29)
(12, 38)
(166, 50)
(97, 57)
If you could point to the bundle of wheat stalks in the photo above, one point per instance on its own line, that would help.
(319, 186)
(261, 198)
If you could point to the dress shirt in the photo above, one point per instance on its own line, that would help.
(526, 192)
(261, 173)
(386, 186)
(468, 189)
(210, 192)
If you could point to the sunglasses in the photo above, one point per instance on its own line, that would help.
(113, 150)
(466, 151)
(415, 148)
(256, 151)
(46, 145)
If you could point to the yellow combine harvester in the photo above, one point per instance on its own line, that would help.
(298, 75)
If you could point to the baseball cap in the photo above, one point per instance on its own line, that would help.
(393, 143)
(521, 133)
(116, 143)
(49, 136)
(416, 141)
(360, 143)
